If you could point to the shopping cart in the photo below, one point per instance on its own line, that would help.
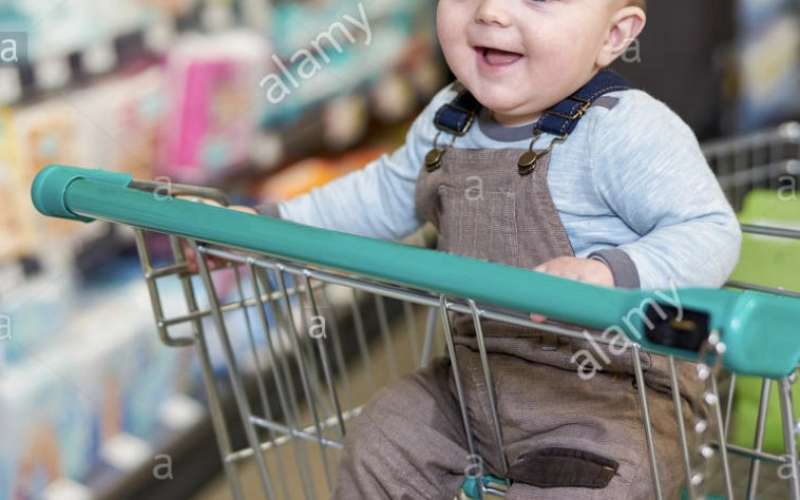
(312, 299)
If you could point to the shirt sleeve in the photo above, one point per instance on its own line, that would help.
(648, 168)
(623, 269)
(377, 201)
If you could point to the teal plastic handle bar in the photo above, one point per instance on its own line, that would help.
(50, 186)
(760, 331)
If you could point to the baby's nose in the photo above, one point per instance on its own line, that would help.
(492, 12)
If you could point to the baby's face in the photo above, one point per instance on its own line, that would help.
(520, 57)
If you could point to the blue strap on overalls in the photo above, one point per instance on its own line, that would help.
(457, 116)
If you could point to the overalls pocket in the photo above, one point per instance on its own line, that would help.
(564, 467)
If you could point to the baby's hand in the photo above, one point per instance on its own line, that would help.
(207, 201)
(213, 262)
(590, 271)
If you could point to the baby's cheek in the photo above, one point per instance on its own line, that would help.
(448, 20)
(559, 46)
(456, 52)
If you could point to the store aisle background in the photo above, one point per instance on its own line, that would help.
(222, 93)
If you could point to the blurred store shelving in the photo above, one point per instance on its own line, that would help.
(246, 95)
(174, 91)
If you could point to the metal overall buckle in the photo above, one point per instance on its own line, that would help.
(528, 161)
(584, 107)
(455, 118)
(433, 160)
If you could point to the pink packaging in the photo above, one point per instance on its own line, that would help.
(215, 104)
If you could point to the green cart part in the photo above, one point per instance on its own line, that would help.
(472, 486)
(685, 496)
(675, 322)
(765, 260)
(770, 262)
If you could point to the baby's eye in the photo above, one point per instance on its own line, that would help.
(540, 1)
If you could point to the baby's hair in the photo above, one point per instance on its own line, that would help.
(638, 3)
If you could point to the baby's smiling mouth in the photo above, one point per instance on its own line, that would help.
(497, 57)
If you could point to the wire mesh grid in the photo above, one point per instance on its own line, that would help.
(322, 342)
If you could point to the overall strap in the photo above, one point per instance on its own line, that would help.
(561, 119)
(457, 116)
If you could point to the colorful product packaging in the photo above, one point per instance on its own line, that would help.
(305, 175)
(93, 400)
(47, 133)
(214, 104)
(121, 120)
(769, 62)
(16, 221)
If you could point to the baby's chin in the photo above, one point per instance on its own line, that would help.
(499, 100)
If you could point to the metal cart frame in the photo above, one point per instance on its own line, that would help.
(292, 282)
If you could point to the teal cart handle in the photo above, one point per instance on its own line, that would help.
(50, 187)
(760, 331)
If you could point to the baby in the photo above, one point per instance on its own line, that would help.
(540, 158)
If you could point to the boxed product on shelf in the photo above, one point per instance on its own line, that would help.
(307, 174)
(299, 25)
(115, 124)
(326, 53)
(769, 62)
(34, 314)
(121, 120)
(56, 29)
(214, 103)
(91, 400)
(50, 429)
(245, 331)
(16, 221)
(294, 88)
(44, 133)
(150, 372)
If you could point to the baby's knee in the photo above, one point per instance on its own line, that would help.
(389, 416)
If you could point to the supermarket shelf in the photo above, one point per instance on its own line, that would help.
(196, 460)
(80, 62)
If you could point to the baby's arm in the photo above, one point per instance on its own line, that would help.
(649, 169)
(377, 201)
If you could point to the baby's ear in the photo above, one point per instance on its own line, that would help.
(625, 26)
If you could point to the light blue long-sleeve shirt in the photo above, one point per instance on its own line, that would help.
(631, 177)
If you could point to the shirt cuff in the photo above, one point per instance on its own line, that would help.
(269, 209)
(623, 269)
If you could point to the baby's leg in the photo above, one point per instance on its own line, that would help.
(407, 443)
(632, 480)
(569, 438)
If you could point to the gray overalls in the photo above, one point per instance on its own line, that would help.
(563, 437)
